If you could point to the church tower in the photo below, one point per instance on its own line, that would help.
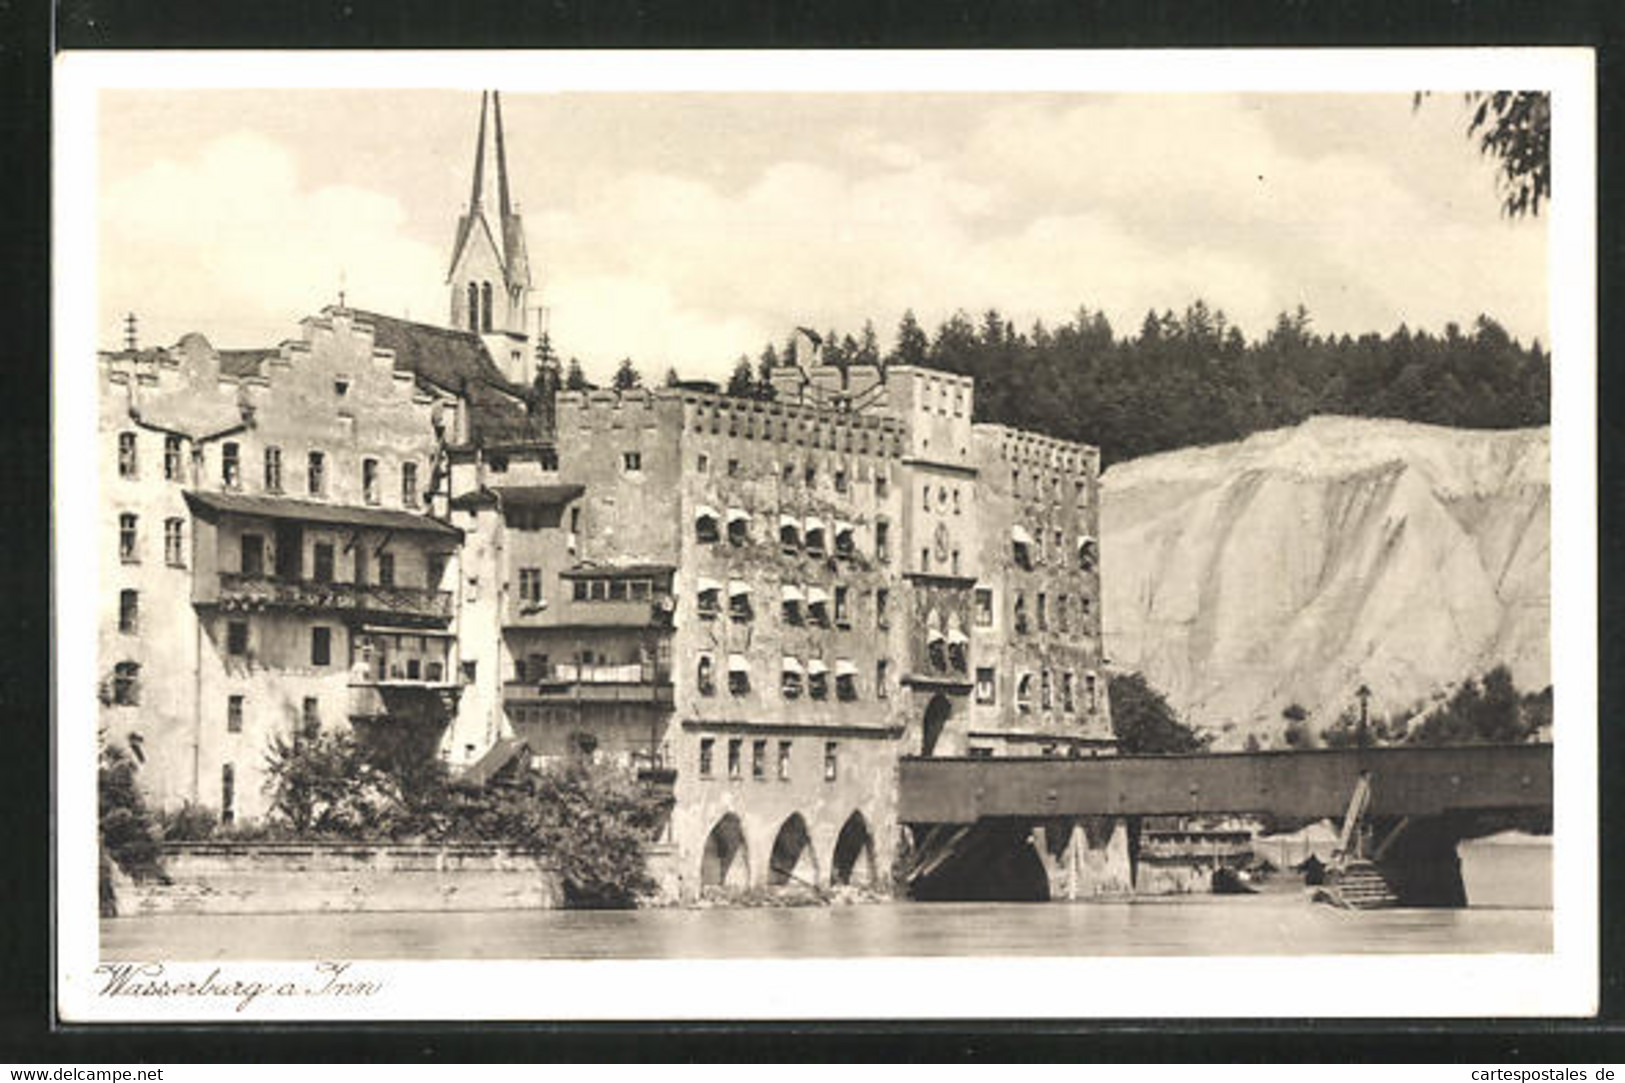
(490, 271)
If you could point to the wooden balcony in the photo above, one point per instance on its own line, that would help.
(594, 684)
(410, 605)
(404, 701)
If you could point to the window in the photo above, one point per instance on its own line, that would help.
(1043, 611)
(784, 761)
(597, 590)
(1045, 697)
(369, 480)
(811, 475)
(126, 455)
(172, 458)
(323, 571)
(316, 474)
(738, 676)
(1024, 693)
(1063, 613)
(231, 471)
(705, 676)
(341, 387)
(842, 617)
(321, 646)
(530, 587)
(127, 684)
(733, 468)
(925, 559)
(882, 608)
(409, 485)
(174, 542)
(129, 612)
(817, 680)
(1021, 612)
(128, 549)
(311, 715)
(739, 600)
(386, 569)
(832, 764)
(708, 748)
(985, 685)
(234, 714)
(228, 794)
(1091, 693)
(758, 759)
(485, 306)
(497, 463)
(953, 562)
(252, 561)
(1088, 554)
(734, 747)
(1067, 703)
(705, 525)
(703, 464)
(882, 540)
(882, 483)
(273, 470)
(925, 496)
(846, 681)
(983, 604)
(882, 675)
(237, 638)
(840, 481)
(632, 461)
(956, 500)
(471, 671)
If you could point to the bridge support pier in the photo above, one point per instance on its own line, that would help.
(1084, 857)
(1420, 862)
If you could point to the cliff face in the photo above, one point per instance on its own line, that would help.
(1299, 563)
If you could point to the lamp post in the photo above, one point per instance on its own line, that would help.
(1365, 695)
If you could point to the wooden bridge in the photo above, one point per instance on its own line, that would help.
(1413, 804)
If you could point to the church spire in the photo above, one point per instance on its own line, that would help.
(489, 273)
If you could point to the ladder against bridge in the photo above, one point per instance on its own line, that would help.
(1355, 881)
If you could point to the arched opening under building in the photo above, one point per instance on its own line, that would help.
(726, 860)
(854, 859)
(793, 862)
(936, 719)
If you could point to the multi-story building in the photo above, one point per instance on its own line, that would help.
(759, 603)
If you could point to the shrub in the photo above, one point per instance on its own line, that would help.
(126, 833)
(189, 823)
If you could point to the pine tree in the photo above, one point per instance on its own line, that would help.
(742, 383)
(627, 376)
(574, 378)
(912, 344)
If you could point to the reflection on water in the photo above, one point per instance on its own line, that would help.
(1269, 924)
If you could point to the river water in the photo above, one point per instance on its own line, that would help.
(1185, 925)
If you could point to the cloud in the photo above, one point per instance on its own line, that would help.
(1122, 203)
(229, 241)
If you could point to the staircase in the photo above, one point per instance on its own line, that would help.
(1360, 885)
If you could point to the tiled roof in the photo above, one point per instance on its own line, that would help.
(532, 496)
(242, 363)
(457, 362)
(310, 511)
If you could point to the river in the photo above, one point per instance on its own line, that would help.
(1270, 924)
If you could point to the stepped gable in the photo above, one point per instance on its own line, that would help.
(499, 412)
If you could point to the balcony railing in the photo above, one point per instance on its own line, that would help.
(570, 683)
(239, 591)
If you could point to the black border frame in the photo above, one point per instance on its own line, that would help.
(29, 34)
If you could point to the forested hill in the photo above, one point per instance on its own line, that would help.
(1196, 379)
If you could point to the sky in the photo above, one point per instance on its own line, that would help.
(686, 229)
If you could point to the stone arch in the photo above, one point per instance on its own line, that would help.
(725, 861)
(853, 861)
(935, 721)
(793, 860)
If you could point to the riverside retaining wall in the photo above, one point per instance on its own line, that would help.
(269, 878)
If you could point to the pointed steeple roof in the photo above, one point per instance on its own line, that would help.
(492, 211)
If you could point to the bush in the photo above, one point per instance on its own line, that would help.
(126, 833)
(189, 823)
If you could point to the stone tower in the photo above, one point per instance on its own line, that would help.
(489, 275)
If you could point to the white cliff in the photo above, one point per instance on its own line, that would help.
(1296, 564)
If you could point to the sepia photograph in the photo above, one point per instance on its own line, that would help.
(1089, 516)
